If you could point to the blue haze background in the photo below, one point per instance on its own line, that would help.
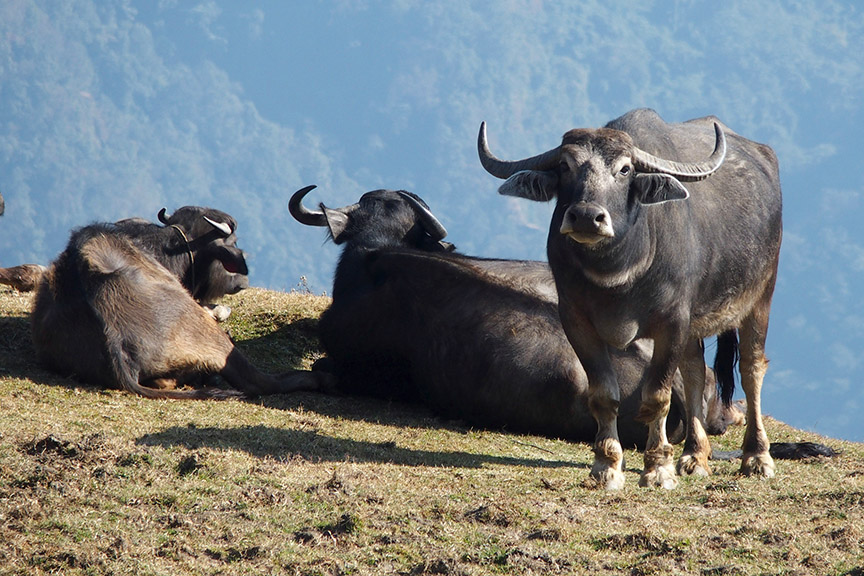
(114, 108)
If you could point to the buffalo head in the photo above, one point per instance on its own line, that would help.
(600, 179)
(215, 265)
(379, 218)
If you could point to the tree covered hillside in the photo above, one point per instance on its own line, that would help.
(97, 122)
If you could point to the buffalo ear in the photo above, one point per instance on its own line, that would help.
(531, 185)
(427, 244)
(337, 222)
(659, 188)
(232, 260)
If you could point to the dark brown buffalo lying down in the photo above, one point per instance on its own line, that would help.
(120, 307)
(473, 338)
(24, 278)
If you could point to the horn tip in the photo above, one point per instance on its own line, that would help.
(720, 137)
(483, 144)
(300, 212)
(297, 197)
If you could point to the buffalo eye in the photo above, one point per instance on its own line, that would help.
(625, 170)
(564, 167)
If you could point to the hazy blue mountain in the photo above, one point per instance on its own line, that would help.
(114, 108)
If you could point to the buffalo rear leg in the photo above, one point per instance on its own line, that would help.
(199, 345)
(697, 448)
(755, 459)
(241, 374)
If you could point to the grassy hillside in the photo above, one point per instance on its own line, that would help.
(102, 482)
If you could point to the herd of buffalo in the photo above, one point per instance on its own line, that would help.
(662, 235)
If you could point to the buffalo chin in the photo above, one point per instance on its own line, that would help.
(585, 238)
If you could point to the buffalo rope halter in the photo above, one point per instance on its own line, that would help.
(191, 257)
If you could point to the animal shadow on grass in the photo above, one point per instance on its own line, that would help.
(285, 348)
(278, 351)
(265, 441)
(282, 349)
(18, 358)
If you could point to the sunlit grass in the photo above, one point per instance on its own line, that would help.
(103, 482)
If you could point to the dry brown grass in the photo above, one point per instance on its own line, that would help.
(102, 482)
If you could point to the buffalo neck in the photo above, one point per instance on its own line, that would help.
(352, 277)
(614, 264)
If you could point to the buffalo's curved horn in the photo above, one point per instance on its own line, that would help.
(303, 214)
(505, 168)
(430, 223)
(684, 171)
(162, 217)
(223, 227)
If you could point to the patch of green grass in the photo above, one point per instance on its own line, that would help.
(101, 482)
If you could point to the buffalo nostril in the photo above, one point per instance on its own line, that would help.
(587, 223)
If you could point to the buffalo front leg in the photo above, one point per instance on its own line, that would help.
(755, 459)
(603, 401)
(603, 396)
(697, 448)
(659, 470)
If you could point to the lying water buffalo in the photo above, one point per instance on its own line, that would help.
(474, 338)
(25, 277)
(120, 308)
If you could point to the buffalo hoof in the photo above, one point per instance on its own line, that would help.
(303, 381)
(659, 477)
(757, 465)
(659, 470)
(692, 465)
(608, 464)
(608, 478)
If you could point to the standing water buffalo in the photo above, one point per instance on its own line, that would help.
(474, 338)
(120, 307)
(635, 254)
